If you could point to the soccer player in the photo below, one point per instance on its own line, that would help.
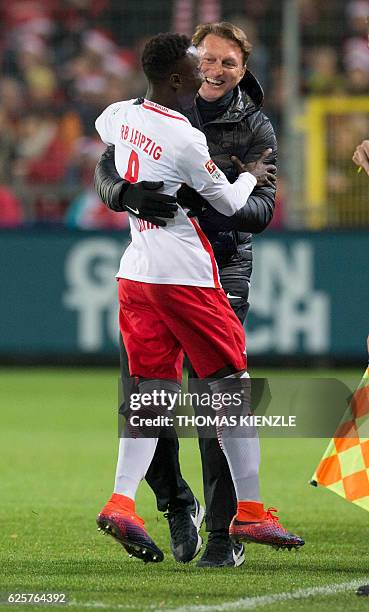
(169, 290)
(229, 111)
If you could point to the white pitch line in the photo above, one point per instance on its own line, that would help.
(104, 605)
(249, 603)
(246, 603)
(100, 604)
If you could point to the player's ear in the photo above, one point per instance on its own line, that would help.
(175, 80)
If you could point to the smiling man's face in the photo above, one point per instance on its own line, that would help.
(222, 66)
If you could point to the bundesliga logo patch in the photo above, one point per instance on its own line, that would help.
(213, 170)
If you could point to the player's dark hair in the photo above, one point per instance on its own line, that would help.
(161, 54)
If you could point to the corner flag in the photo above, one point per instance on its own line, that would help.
(344, 467)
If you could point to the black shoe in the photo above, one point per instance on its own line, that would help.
(184, 525)
(363, 590)
(220, 551)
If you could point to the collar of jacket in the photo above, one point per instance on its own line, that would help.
(248, 99)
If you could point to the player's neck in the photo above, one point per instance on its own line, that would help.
(164, 98)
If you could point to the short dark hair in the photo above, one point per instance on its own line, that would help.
(161, 53)
(227, 30)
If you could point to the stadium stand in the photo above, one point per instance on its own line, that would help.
(63, 62)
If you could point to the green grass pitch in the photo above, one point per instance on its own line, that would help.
(58, 440)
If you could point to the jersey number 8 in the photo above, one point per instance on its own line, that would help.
(133, 167)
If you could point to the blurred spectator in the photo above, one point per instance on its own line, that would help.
(7, 148)
(12, 97)
(11, 212)
(322, 22)
(40, 153)
(257, 10)
(323, 75)
(70, 129)
(357, 12)
(97, 76)
(355, 50)
(41, 158)
(344, 131)
(33, 59)
(358, 81)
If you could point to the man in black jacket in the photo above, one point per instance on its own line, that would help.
(228, 111)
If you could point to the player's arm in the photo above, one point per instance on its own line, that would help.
(119, 194)
(257, 212)
(199, 172)
(361, 156)
(108, 183)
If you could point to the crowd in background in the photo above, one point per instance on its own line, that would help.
(63, 61)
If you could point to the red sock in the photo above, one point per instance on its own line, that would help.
(250, 511)
(125, 503)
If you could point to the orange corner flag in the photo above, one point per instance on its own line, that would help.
(344, 467)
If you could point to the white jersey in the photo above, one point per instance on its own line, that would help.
(154, 143)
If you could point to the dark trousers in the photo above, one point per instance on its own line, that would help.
(164, 474)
